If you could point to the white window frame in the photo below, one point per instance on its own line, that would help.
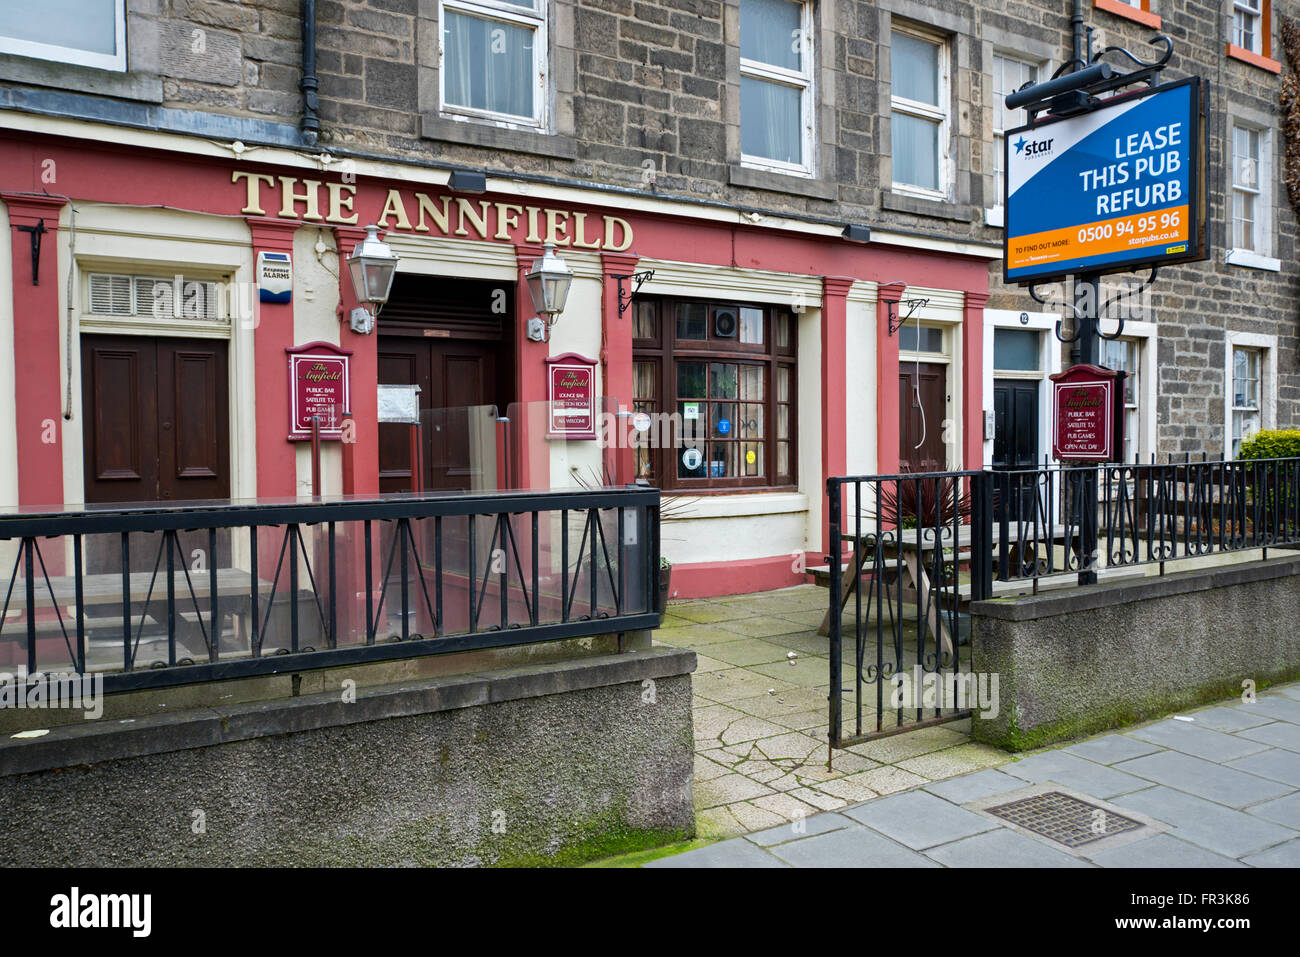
(1242, 9)
(1049, 363)
(802, 80)
(1266, 346)
(50, 51)
(1260, 257)
(536, 20)
(996, 214)
(900, 104)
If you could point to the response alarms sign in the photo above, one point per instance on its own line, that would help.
(1110, 190)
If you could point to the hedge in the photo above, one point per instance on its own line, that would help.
(1272, 444)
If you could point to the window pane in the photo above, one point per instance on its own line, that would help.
(1015, 350)
(488, 64)
(1009, 75)
(723, 380)
(690, 380)
(751, 459)
(914, 68)
(750, 422)
(920, 339)
(916, 151)
(645, 321)
(783, 330)
(783, 384)
(751, 383)
(722, 460)
(770, 32)
(692, 320)
(80, 24)
(783, 458)
(782, 421)
(770, 122)
(722, 420)
(751, 325)
(645, 381)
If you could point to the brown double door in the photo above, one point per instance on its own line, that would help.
(453, 375)
(156, 419)
(922, 405)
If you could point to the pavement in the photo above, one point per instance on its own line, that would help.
(1214, 787)
(760, 693)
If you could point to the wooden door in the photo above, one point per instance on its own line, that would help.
(156, 419)
(922, 403)
(1015, 447)
(452, 374)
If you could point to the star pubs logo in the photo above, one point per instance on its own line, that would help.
(1029, 148)
(1020, 145)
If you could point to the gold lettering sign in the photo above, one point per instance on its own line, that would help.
(316, 201)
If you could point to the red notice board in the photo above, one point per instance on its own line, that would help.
(571, 396)
(1087, 414)
(318, 385)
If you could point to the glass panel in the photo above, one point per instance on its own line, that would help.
(916, 151)
(783, 458)
(692, 320)
(644, 323)
(914, 68)
(686, 454)
(690, 380)
(782, 421)
(488, 64)
(770, 32)
(723, 378)
(783, 384)
(1015, 350)
(722, 420)
(770, 120)
(920, 339)
(722, 460)
(783, 330)
(751, 325)
(645, 381)
(750, 425)
(1009, 75)
(80, 24)
(751, 459)
(751, 383)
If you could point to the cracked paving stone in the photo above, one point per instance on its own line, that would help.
(728, 789)
(706, 770)
(745, 728)
(900, 747)
(761, 771)
(712, 720)
(822, 799)
(951, 762)
(846, 789)
(887, 780)
(792, 744)
(717, 822)
(755, 818)
(790, 808)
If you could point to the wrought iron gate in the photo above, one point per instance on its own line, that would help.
(894, 618)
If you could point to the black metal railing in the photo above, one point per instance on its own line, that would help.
(913, 550)
(151, 596)
(1140, 513)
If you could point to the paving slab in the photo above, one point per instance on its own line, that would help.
(972, 787)
(746, 728)
(887, 779)
(1212, 826)
(1285, 855)
(1162, 850)
(900, 747)
(763, 626)
(953, 761)
(1229, 719)
(1280, 734)
(1206, 743)
(849, 847)
(919, 820)
(1204, 778)
(1111, 748)
(727, 789)
(702, 612)
(1002, 848)
(795, 830)
(1277, 764)
(1283, 810)
(1275, 706)
(1072, 771)
(736, 852)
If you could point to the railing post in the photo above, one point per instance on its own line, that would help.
(982, 538)
(836, 609)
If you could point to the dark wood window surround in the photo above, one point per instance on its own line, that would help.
(680, 359)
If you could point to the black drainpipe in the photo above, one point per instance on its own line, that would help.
(310, 102)
(1076, 29)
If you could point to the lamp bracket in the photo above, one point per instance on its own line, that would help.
(36, 232)
(639, 279)
(912, 305)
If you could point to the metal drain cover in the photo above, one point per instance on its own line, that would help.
(1078, 824)
(1064, 819)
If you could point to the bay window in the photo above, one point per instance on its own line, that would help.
(493, 59)
(717, 383)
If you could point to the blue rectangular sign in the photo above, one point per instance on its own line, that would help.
(1111, 190)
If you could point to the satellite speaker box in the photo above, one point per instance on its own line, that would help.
(725, 323)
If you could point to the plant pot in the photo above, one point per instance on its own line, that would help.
(661, 597)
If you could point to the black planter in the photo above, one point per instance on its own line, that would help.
(665, 581)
